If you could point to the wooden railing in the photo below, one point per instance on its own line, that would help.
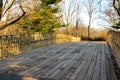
(114, 41)
(13, 45)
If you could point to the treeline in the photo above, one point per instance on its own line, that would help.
(81, 31)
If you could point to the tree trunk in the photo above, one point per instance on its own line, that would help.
(90, 21)
(1, 4)
(77, 22)
(89, 32)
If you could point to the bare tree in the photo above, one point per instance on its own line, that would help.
(93, 7)
(111, 13)
(110, 16)
(70, 13)
(69, 10)
(116, 5)
(78, 19)
(90, 9)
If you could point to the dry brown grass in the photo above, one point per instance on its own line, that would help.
(11, 30)
(81, 31)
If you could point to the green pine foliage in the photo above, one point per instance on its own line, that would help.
(48, 2)
(43, 20)
(117, 26)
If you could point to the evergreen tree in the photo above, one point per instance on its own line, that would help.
(43, 19)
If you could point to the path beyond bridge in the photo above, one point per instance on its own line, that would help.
(70, 61)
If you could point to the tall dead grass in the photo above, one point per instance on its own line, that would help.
(82, 32)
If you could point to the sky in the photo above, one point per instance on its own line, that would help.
(97, 22)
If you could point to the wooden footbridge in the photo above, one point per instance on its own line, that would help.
(68, 61)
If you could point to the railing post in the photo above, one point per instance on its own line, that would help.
(1, 55)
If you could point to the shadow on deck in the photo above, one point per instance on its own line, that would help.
(71, 61)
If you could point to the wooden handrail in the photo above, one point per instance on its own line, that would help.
(12, 45)
(114, 40)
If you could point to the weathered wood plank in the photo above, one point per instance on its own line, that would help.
(76, 72)
(69, 68)
(110, 70)
(18, 63)
(73, 61)
(62, 61)
(63, 69)
(82, 68)
(82, 74)
(43, 63)
(103, 75)
(90, 71)
(96, 73)
(58, 66)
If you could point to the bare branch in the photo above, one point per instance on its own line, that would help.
(114, 5)
(69, 11)
(8, 7)
(13, 21)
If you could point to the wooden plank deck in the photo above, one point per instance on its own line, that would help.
(71, 61)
